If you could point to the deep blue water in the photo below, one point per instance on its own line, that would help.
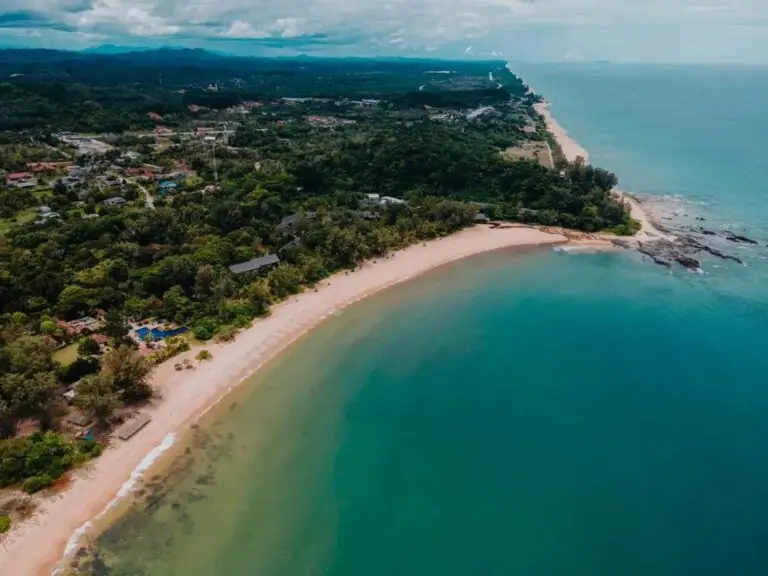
(697, 132)
(534, 414)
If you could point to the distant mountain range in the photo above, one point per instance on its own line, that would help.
(114, 49)
(109, 49)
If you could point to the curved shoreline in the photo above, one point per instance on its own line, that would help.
(37, 546)
(572, 150)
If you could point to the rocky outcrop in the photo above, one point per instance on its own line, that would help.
(738, 238)
(683, 251)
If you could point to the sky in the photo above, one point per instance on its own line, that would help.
(715, 31)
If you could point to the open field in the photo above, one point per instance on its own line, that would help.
(65, 356)
(20, 218)
(538, 151)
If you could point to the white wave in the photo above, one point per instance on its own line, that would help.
(125, 489)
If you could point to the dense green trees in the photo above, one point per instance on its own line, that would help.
(41, 458)
(173, 262)
(88, 347)
(97, 395)
(129, 373)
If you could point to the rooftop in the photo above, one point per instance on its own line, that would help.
(255, 264)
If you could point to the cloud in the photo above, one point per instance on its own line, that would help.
(405, 26)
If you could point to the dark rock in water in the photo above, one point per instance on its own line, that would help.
(719, 254)
(707, 232)
(688, 262)
(655, 255)
(731, 237)
(682, 251)
(701, 218)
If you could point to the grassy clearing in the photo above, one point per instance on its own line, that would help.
(20, 218)
(530, 151)
(65, 356)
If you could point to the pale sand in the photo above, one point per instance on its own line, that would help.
(37, 546)
(572, 150)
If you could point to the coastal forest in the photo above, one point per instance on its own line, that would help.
(318, 164)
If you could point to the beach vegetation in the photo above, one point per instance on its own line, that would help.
(39, 459)
(173, 346)
(627, 228)
(204, 328)
(203, 355)
(227, 334)
(5, 524)
(36, 483)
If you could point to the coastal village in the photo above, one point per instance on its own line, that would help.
(167, 248)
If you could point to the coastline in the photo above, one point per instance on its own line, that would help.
(38, 545)
(571, 150)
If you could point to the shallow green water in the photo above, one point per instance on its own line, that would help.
(538, 414)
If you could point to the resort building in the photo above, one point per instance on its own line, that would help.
(255, 264)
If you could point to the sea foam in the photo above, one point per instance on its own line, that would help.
(125, 489)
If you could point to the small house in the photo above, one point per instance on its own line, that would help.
(43, 210)
(114, 201)
(17, 177)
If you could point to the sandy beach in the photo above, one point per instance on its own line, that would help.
(37, 546)
(572, 150)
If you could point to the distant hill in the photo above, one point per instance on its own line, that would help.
(114, 49)
(197, 69)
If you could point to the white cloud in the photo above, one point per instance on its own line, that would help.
(240, 29)
(407, 25)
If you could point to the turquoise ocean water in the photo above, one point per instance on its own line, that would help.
(528, 413)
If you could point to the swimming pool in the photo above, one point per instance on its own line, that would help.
(158, 334)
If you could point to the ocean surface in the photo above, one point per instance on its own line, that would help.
(529, 413)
